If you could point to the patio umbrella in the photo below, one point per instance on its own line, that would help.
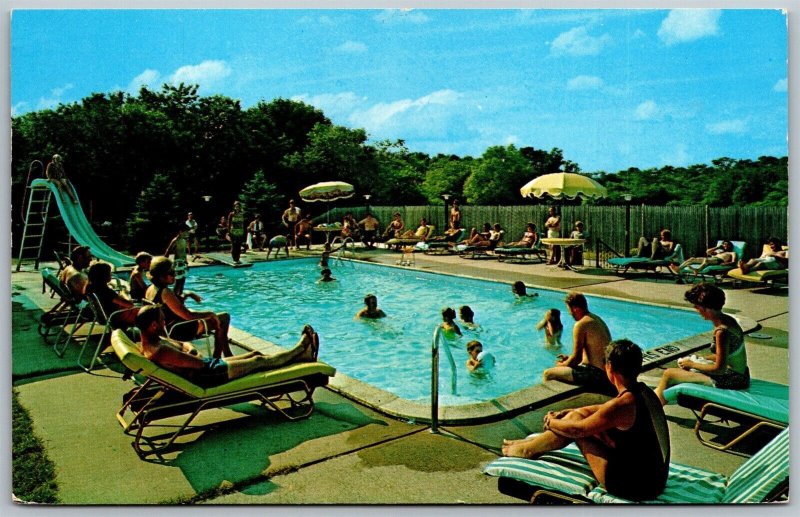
(563, 185)
(327, 191)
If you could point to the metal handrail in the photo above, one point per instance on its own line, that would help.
(435, 345)
(342, 249)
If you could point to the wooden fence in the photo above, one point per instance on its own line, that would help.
(695, 227)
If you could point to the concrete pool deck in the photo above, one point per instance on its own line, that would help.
(345, 452)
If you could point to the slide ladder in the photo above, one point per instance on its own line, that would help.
(76, 222)
(35, 225)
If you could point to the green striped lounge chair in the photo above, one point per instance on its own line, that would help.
(565, 476)
(521, 254)
(622, 264)
(763, 405)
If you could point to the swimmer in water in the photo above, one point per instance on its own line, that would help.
(551, 323)
(478, 360)
(326, 276)
(449, 326)
(371, 311)
(466, 315)
(520, 291)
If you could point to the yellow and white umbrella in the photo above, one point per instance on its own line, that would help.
(563, 185)
(327, 191)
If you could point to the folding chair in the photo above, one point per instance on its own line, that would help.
(99, 317)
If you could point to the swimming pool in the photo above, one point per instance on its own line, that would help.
(272, 301)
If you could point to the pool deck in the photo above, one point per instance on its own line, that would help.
(345, 452)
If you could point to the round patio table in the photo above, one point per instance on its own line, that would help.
(328, 230)
(563, 242)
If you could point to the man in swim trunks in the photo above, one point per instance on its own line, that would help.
(302, 232)
(590, 337)
(236, 231)
(184, 359)
(625, 440)
(775, 258)
(289, 218)
(191, 234)
(276, 243)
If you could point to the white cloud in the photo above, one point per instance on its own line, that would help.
(678, 157)
(433, 115)
(336, 106)
(19, 108)
(401, 15)
(726, 127)
(648, 110)
(585, 82)
(204, 74)
(578, 42)
(683, 25)
(149, 78)
(510, 139)
(60, 91)
(639, 33)
(352, 47)
(781, 86)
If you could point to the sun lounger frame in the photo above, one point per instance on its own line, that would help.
(158, 398)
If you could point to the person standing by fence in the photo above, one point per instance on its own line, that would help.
(553, 225)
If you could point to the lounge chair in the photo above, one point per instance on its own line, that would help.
(99, 317)
(622, 264)
(410, 241)
(763, 404)
(474, 252)
(761, 275)
(565, 476)
(714, 272)
(165, 394)
(441, 246)
(68, 312)
(522, 254)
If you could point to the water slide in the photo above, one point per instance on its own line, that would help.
(80, 228)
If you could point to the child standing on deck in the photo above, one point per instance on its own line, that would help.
(180, 244)
(551, 323)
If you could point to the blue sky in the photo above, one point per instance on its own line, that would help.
(612, 88)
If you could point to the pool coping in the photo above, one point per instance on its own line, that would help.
(500, 408)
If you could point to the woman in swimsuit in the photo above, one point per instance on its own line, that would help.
(716, 256)
(727, 367)
(449, 325)
(528, 239)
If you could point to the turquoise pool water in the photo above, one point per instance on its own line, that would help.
(272, 300)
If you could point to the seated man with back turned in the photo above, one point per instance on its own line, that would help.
(586, 364)
(625, 440)
(184, 359)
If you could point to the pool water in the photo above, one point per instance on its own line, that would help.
(273, 300)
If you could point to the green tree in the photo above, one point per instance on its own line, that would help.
(149, 227)
(497, 177)
(259, 196)
(446, 175)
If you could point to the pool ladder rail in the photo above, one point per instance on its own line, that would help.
(342, 249)
(435, 346)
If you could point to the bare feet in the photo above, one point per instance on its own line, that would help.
(743, 267)
(516, 450)
(310, 340)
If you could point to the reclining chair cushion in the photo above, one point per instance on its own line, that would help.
(764, 399)
(130, 356)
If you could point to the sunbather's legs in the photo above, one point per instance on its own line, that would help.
(673, 376)
(544, 442)
(305, 351)
(219, 326)
(643, 248)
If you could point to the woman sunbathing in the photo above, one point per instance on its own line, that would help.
(529, 238)
(479, 238)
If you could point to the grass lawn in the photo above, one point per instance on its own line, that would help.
(33, 478)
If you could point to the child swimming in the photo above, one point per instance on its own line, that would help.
(553, 328)
(478, 359)
(520, 291)
(449, 326)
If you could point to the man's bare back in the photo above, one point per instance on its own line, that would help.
(593, 335)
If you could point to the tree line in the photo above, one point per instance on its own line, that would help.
(140, 162)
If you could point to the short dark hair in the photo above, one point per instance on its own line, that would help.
(98, 273)
(776, 241)
(325, 271)
(519, 287)
(577, 300)
(474, 344)
(77, 252)
(465, 310)
(448, 313)
(625, 357)
(368, 297)
(142, 257)
(706, 295)
(147, 315)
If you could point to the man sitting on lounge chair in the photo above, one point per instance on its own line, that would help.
(721, 255)
(625, 440)
(183, 358)
(660, 247)
(775, 258)
(74, 276)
